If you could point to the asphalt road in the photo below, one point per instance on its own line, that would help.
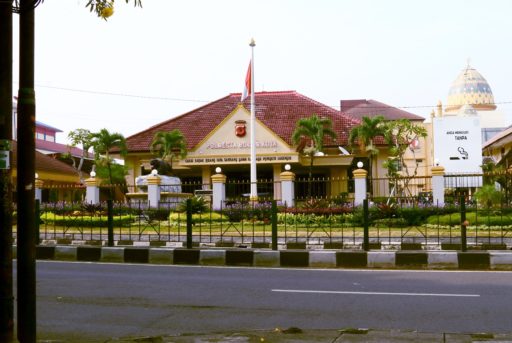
(88, 300)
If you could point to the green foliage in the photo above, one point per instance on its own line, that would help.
(474, 219)
(313, 130)
(105, 8)
(488, 196)
(80, 220)
(214, 217)
(169, 145)
(198, 205)
(117, 173)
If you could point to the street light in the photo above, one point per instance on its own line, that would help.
(218, 170)
(287, 167)
(360, 164)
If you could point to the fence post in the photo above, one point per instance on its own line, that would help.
(359, 186)
(274, 225)
(463, 224)
(92, 194)
(110, 222)
(366, 233)
(189, 223)
(154, 190)
(288, 188)
(219, 191)
(39, 188)
(438, 185)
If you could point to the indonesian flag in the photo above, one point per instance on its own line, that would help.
(248, 83)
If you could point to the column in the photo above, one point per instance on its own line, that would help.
(438, 185)
(92, 195)
(39, 189)
(219, 191)
(154, 190)
(288, 188)
(359, 186)
(276, 178)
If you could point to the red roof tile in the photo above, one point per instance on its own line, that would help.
(370, 108)
(54, 147)
(45, 163)
(277, 110)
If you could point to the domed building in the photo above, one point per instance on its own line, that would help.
(470, 93)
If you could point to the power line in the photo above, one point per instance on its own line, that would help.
(86, 91)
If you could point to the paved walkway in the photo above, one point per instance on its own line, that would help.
(297, 335)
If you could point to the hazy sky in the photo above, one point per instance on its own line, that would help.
(173, 56)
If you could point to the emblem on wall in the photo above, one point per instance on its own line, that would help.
(240, 130)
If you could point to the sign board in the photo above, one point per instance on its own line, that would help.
(458, 146)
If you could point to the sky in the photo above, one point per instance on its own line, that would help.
(147, 65)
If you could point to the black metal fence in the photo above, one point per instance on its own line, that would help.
(326, 218)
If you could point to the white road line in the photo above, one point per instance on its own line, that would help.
(376, 293)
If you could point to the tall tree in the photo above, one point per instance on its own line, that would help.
(402, 136)
(364, 134)
(169, 145)
(83, 138)
(312, 130)
(104, 141)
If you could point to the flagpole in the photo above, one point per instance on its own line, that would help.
(254, 184)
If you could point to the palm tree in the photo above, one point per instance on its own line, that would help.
(312, 129)
(169, 145)
(104, 141)
(365, 134)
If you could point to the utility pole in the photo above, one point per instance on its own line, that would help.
(6, 280)
(26, 271)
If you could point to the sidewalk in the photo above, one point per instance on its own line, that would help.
(297, 335)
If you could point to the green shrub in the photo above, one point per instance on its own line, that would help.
(214, 217)
(50, 218)
(474, 219)
(197, 205)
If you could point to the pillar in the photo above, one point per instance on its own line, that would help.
(219, 191)
(359, 186)
(288, 188)
(154, 190)
(206, 176)
(276, 178)
(92, 194)
(438, 185)
(39, 189)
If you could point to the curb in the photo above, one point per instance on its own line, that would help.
(411, 259)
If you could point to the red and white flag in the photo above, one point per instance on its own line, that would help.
(248, 83)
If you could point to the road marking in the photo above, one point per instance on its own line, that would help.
(377, 293)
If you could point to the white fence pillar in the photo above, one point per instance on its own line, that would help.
(359, 186)
(154, 190)
(39, 189)
(219, 191)
(92, 194)
(438, 185)
(288, 188)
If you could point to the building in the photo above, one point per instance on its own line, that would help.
(470, 88)
(217, 135)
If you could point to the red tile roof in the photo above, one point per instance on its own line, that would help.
(370, 108)
(54, 147)
(45, 163)
(277, 110)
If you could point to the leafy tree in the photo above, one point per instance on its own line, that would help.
(80, 137)
(313, 130)
(364, 134)
(169, 145)
(400, 136)
(105, 8)
(104, 141)
(488, 196)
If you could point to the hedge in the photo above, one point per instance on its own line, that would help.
(50, 218)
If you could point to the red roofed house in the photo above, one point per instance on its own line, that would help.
(217, 135)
